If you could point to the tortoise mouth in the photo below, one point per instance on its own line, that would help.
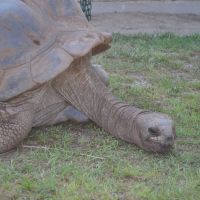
(158, 144)
(160, 140)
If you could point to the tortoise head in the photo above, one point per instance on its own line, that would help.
(156, 132)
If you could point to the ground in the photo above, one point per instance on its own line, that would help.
(72, 162)
(131, 17)
(133, 23)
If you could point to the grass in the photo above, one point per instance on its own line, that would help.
(82, 162)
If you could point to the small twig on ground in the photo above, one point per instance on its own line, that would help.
(35, 147)
(91, 156)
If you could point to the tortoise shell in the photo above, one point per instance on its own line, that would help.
(39, 40)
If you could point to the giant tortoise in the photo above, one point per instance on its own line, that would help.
(46, 77)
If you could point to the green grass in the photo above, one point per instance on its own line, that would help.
(82, 162)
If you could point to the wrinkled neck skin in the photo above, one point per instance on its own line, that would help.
(80, 86)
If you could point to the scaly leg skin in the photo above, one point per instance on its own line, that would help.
(14, 127)
(16, 120)
(68, 113)
(72, 114)
(103, 75)
(54, 110)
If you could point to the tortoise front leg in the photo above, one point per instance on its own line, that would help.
(14, 127)
(100, 71)
(70, 112)
(63, 111)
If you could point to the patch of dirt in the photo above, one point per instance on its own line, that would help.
(139, 79)
(185, 75)
(137, 0)
(6, 157)
(4, 195)
(182, 75)
(188, 144)
(133, 23)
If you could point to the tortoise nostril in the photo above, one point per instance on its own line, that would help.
(169, 140)
(154, 131)
(169, 137)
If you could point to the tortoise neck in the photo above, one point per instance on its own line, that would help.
(80, 86)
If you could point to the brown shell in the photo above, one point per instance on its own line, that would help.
(39, 40)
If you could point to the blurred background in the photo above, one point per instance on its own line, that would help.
(136, 16)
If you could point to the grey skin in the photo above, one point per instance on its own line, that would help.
(46, 77)
(69, 113)
(83, 88)
(42, 107)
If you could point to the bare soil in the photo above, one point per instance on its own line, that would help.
(138, 0)
(133, 23)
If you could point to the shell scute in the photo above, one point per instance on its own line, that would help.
(50, 65)
(15, 80)
(39, 40)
